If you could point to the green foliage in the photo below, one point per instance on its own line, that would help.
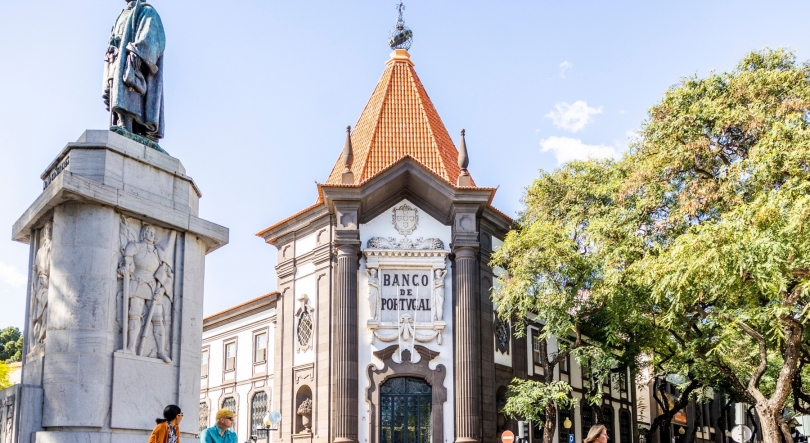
(694, 248)
(5, 370)
(528, 399)
(11, 343)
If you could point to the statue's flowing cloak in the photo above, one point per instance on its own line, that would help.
(142, 35)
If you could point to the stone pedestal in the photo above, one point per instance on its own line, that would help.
(115, 298)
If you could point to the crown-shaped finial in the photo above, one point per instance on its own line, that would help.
(401, 36)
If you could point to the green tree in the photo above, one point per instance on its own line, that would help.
(11, 342)
(718, 184)
(4, 376)
(555, 272)
(694, 248)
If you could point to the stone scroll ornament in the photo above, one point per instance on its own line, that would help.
(133, 74)
(41, 271)
(147, 291)
(406, 330)
(405, 243)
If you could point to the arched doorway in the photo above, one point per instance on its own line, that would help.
(405, 404)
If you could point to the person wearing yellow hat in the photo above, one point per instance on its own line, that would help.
(221, 432)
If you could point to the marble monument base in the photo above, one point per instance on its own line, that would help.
(114, 313)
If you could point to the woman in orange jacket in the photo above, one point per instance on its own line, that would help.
(168, 427)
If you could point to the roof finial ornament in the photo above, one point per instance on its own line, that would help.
(401, 36)
(464, 178)
(348, 159)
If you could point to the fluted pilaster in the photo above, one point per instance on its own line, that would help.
(467, 352)
(345, 344)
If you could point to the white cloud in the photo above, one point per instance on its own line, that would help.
(565, 66)
(11, 276)
(566, 149)
(572, 117)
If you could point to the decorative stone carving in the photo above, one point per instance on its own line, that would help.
(41, 272)
(303, 373)
(373, 293)
(435, 378)
(501, 335)
(305, 411)
(438, 294)
(405, 219)
(305, 324)
(8, 405)
(407, 329)
(405, 243)
(147, 291)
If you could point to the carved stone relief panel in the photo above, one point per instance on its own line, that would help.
(405, 294)
(146, 296)
(40, 281)
(304, 374)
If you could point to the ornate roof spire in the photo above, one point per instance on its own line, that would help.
(464, 178)
(401, 36)
(348, 159)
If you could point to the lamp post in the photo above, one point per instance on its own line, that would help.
(567, 425)
(272, 418)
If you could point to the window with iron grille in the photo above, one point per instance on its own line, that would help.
(607, 413)
(304, 329)
(258, 409)
(230, 404)
(260, 348)
(203, 416)
(586, 416)
(561, 416)
(625, 427)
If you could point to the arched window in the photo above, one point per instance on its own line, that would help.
(230, 403)
(203, 416)
(625, 426)
(258, 409)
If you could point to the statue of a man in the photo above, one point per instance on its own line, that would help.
(133, 71)
(373, 292)
(150, 279)
(438, 294)
(41, 274)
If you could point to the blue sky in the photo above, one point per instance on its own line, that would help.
(258, 94)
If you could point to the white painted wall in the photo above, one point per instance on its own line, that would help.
(249, 377)
(382, 226)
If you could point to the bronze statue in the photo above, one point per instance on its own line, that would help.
(133, 72)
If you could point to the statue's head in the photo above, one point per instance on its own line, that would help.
(373, 272)
(47, 231)
(148, 233)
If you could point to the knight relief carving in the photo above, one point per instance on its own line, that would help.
(147, 289)
(41, 272)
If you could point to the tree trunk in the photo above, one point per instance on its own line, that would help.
(550, 425)
(769, 423)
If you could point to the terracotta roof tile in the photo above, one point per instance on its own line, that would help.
(399, 120)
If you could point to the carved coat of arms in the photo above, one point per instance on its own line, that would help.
(405, 219)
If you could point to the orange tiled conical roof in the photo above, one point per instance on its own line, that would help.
(399, 120)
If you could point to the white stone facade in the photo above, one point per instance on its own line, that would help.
(237, 365)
